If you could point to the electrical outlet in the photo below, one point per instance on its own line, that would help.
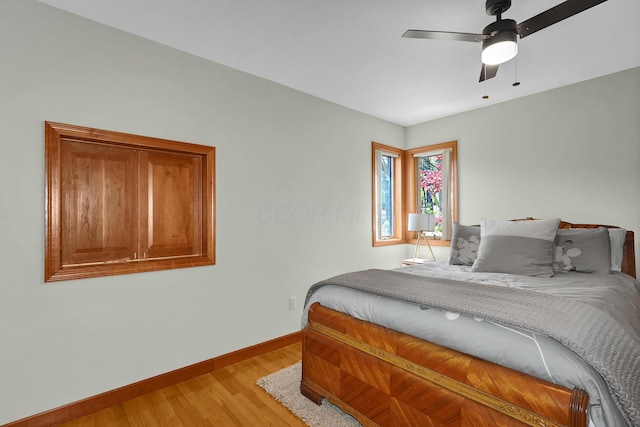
(292, 303)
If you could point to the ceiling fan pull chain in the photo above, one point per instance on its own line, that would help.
(516, 82)
(485, 96)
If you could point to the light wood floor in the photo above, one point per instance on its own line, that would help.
(227, 397)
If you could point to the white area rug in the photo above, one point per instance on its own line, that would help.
(284, 386)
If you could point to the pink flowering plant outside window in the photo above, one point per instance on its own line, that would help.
(430, 188)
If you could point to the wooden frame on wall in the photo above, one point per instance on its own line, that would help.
(119, 203)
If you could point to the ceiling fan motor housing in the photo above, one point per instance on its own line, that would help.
(496, 7)
(502, 26)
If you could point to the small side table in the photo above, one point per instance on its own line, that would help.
(415, 261)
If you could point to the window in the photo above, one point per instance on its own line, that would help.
(385, 194)
(433, 173)
(387, 185)
(422, 180)
(120, 203)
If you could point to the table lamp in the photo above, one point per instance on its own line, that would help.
(420, 223)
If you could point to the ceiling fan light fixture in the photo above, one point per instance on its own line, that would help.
(500, 48)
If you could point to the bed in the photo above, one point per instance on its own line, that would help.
(480, 358)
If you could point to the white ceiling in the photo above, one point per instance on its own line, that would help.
(351, 52)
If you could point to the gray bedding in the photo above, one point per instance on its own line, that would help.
(593, 315)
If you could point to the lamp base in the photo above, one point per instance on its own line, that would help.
(420, 235)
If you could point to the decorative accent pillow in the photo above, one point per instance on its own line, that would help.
(464, 244)
(587, 250)
(517, 247)
(617, 237)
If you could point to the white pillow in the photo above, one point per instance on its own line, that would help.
(517, 247)
(617, 237)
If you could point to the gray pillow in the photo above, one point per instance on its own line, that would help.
(464, 244)
(587, 250)
(517, 247)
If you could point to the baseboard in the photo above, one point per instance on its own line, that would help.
(113, 397)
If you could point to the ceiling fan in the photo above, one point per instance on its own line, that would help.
(500, 38)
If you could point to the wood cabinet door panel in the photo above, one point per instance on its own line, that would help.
(99, 203)
(171, 204)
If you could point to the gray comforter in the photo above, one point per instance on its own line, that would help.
(606, 339)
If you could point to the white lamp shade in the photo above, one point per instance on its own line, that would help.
(500, 48)
(418, 222)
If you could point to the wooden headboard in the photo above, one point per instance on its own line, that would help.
(628, 254)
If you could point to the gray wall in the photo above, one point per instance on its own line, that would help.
(293, 196)
(571, 152)
(293, 207)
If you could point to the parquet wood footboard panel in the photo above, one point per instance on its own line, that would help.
(386, 378)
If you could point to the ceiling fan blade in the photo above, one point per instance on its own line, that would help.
(555, 14)
(444, 35)
(488, 72)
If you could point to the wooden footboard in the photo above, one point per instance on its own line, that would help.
(385, 378)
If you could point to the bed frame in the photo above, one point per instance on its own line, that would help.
(386, 378)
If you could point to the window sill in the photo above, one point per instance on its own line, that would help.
(388, 242)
